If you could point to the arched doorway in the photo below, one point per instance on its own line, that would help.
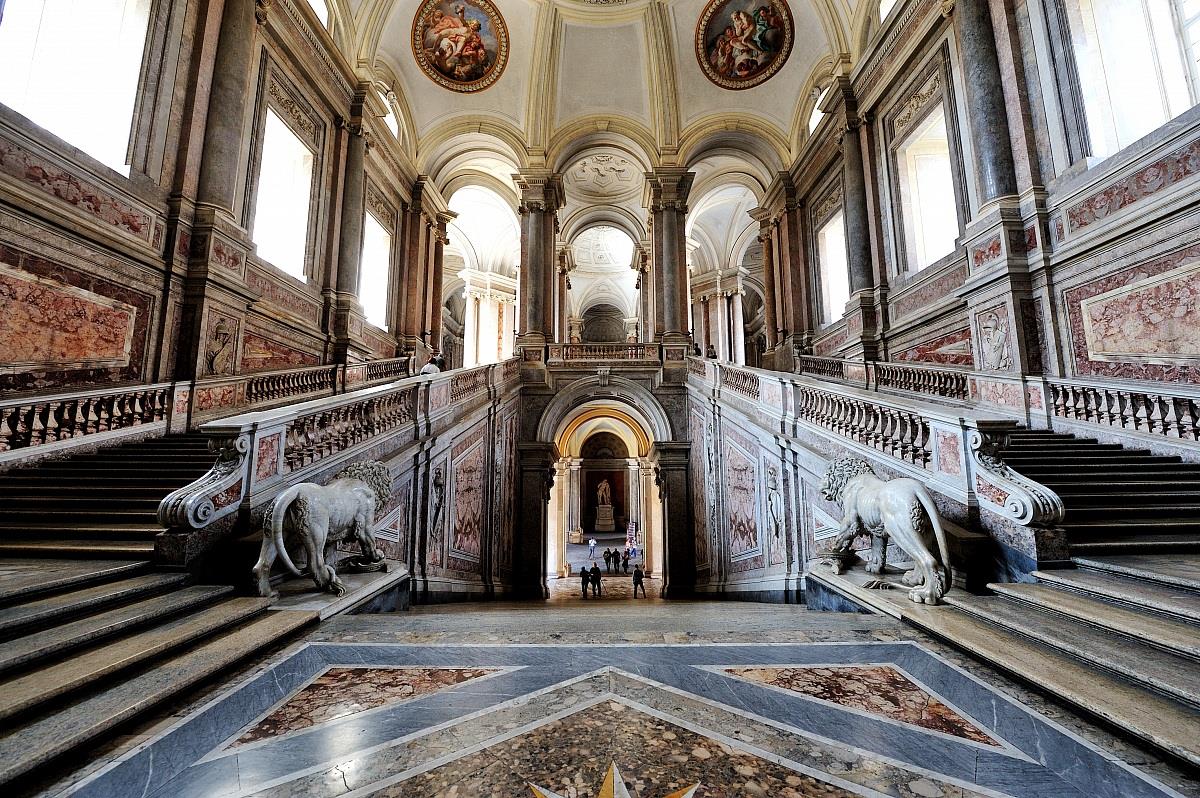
(603, 443)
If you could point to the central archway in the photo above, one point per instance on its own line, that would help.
(641, 431)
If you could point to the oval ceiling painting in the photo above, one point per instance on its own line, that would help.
(460, 44)
(741, 43)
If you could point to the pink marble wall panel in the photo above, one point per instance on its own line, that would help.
(1180, 296)
(700, 483)
(1005, 394)
(227, 256)
(1157, 317)
(832, 342)
(267, 461)
(951, 349)
(283, 297)
(466, 537)
(1031, 238)
(380, 346)
(49, 324)
(260, 353)
(928, 293)
(1172, 168)
(215, 397)
(57, 182)
(183, 398)
(740, 480)
(949, 454)
(990, 492)
(63, 326)
(228, 496)
(1034, 394)
(987, 252)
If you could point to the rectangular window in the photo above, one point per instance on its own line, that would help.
(835, 268)
(1134, 67)
(284, 185)
(927, 203)
(73, 66)
(375, 273)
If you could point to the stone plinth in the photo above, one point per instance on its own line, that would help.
(604, 519)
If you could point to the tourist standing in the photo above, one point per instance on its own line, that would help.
(591, 547)
(595, 580)
(638, 582)
(625, 562)
(585, 579)
(608, 555)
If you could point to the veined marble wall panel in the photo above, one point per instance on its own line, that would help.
(65, 325)
(947, 349)
(468, 472)
(261, 353)
(742, 482)
(505, 490)
(704, 496)
(1141, 321)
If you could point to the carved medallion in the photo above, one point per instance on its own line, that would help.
(461, 45)
(742, 43)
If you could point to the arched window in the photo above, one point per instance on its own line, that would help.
(321, 9)
(817, 114)
(1137, 65)
(73, 67)
(390, 118)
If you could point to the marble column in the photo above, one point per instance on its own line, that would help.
(854, 207)
(986, 106)
(418, 228)
(784, 220)
(536, 461)
(541, 197)
(738, 332)
(650, 517)
(679, 554)
(471, 329)
(221, 170)
(575, 486)
(437, 278)
(770, 318)
(633, 491)
(724, 351)
(667, 192)
(561, 306)
(350, 242)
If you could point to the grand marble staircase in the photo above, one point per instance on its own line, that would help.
(1118, 631)
(92, 633)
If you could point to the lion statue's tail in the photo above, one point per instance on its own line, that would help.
(931, 513)
(275, 519)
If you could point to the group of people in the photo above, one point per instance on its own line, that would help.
(618, 561)
(590, 578)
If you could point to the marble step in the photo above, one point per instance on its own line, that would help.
(1160, 721)
(80, 493)
(148, 502)
(1136, 544)
(1173, 675)
(139, 526)
(23, 694)
(54, 609)
(68, 549)
(1137, 592)
(58, 640)
(38, 741)
(1186, 512)
(1178, 637)
(98, 481)
(1135, 482)
(69, 468)
(1070, 471)
(1075, 498)
(1181, 571)
(59, 517)
(26, 578)
(1115, 524)
(1066, 447)
(1106, 456)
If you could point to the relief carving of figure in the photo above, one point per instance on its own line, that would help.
(439, 498)
(604, 493)
(321, 516)
(218, 354)
(774, 503)
(900, 510)
(994, 346)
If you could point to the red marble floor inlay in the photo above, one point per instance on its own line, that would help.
(339, 692)
(878, 689)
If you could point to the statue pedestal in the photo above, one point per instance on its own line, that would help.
(604, 519)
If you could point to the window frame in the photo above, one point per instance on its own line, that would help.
(377, 208)
(944, 98)
(268, 73)
(829, 202)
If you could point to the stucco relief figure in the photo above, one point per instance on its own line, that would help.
(900, 510)
(321, 516)
(439, 499)
(774, 503)
(604, 494)
(993, 341)
(218, 353)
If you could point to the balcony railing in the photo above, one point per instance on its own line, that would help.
(941, 381)
(604, 353)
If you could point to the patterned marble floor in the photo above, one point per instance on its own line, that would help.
(646, 700)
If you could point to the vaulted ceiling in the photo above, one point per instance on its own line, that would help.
(623, 72)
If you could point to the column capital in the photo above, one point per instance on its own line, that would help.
(541, 190)
(261, 9)
(667, 188)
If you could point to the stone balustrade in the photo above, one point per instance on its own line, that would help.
(278, 386)
(47, 422)
(950, 448)
(941, 381)
(1127, 407)
(262, 452)
(604, 353)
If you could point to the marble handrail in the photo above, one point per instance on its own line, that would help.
(950, 446)
(1151, 410)
(40, 421)
(262, 452)
(947, 382)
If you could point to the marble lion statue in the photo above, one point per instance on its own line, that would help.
(321, 516)
(900, 510)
